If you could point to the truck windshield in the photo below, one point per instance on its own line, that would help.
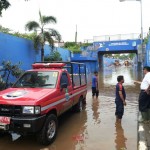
(36, 79)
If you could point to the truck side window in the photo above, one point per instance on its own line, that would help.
(64, 78)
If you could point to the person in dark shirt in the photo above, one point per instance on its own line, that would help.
(95, 90)
(120, 98)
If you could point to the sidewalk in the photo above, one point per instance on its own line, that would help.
(143, 135)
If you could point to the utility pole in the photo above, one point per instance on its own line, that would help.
(142, 53)
(142, 44)
(76, 35)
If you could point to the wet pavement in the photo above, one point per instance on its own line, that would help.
(146, 137)
(95, 128)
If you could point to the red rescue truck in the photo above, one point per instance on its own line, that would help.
(32, 105)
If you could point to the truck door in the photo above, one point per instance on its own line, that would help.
(67, 92)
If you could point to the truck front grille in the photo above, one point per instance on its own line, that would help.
(10, 110)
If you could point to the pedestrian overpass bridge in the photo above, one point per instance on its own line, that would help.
(117, 44)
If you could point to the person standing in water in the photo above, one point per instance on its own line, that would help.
(95, 90)
(120, 98)
(144, 96)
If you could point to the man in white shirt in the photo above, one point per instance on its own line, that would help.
(144, 97)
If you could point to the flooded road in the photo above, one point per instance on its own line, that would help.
(95, 128)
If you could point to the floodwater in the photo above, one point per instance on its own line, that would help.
(95, 128)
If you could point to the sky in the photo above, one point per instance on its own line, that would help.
(92, 17)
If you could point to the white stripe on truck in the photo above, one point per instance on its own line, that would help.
(60, 101)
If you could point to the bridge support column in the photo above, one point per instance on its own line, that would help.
(100, 61)
(140, 70)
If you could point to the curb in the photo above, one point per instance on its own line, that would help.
(142, 141)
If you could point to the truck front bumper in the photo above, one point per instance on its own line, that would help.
(25, 124)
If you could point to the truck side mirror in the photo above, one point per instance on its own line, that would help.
(63, 85)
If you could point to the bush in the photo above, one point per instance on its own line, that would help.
(54, 56)
(73, 47)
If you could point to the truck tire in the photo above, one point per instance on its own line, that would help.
(2, 133)
(79, 106)
(49, 131)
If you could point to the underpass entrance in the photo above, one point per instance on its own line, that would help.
(117, 47)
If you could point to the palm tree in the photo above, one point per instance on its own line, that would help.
(45, 34)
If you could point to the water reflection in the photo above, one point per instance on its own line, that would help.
(108, 80)
(72, 132)
(119, 71)
(120, 139)
(95, 109)
(109, 75)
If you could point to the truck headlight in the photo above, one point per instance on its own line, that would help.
(28, 110)
(31, 110)
(37, 109)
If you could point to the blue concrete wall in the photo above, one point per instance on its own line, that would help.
(16, 49)
(89, 57)
(80, 57)
(147, 57)
(65, 54)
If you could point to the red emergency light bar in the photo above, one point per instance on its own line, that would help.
(47, 65)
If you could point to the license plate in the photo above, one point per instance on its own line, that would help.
(4, 120)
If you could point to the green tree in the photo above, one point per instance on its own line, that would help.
(73, 47)
(69, 44)
(132, 55)
(4, 4)
(21, 35)
(4, 30)
(54, 56)
(146, 39)
(43, 34)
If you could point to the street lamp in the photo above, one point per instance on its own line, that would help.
(129, 0)
(141, 26)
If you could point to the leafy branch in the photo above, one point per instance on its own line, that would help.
(8, 70)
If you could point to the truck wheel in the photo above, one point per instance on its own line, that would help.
(2, 134)
(49, 131)
(79, 106)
